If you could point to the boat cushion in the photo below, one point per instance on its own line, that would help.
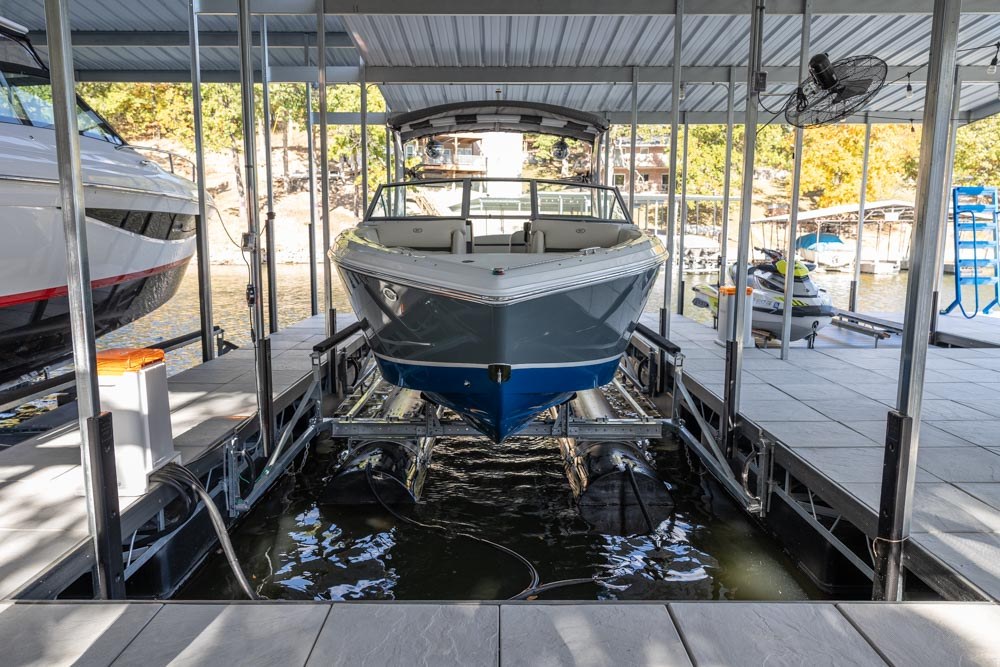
(570, 236)
(432, 235)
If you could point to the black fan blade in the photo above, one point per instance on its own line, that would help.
(854, 88)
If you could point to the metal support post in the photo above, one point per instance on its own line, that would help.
(398, 158)
(683, 221)
(272, 278)
(946, 205)
(364, 137)
(675, 114)
(201, 226)
(727, 178)
(632, 143)
(388, 154)
(324, 166)
(96, 452)
(609, 175)
(793, 214)
(900, 466)
(595, 172)
(853, 303)
(734, 344)
(311, 161)
(252, 244)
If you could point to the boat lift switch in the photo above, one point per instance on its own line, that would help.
(133, 386)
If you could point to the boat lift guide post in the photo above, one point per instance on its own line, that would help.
(272, 268)
(201, 230)
(632, 143)
(364, 136)
(855, 282)
(675, 112)
(251, 240)
(899, 469)
(97, 453)
(683, 220)
(727, 177)
(793, 213)
(946, 206)
(734, 337)
(324, 168)
(311, 162)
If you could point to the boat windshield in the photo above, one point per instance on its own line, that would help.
(26, 99)
(516, 200)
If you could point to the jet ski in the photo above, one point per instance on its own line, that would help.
(811, 306)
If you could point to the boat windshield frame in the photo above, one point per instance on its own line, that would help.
(110, 135)
(466, 213)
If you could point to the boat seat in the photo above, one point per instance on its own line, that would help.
(429, 236)
(570, 236)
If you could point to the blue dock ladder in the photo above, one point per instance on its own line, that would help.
(975, 222)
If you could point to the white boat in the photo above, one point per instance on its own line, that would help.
(499, 298)
(827, 251)
(140, 220)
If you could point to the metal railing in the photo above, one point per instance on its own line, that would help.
(170, 161)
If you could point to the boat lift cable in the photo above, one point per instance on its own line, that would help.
(638, 496)
(173, 473)
(535, 579)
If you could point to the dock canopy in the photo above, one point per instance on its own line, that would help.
(498, 116)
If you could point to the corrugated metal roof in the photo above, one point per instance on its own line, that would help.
(542, 41)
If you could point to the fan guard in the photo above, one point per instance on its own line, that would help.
(835, 90)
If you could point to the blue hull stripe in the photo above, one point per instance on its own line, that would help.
(498, 409)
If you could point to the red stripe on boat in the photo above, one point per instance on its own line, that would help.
(54, 292)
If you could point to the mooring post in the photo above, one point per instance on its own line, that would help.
(272, 268)
(675, 115)
(900, 464)
(201, 224)
(734, 337)
(324, 166)
(727, 177)
(311, 162)
(856, 281)
(684, 216)
(793, 213)
(252, 237)
(97, 455)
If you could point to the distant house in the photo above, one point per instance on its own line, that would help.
(652, 164)
(461, 157)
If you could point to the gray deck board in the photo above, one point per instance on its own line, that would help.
(403, 634)
(544, 634)
(931, 634)
(42, 510)
(589, 635)
(771, 634)
(79, 634)
(831, 416)
(226, 634)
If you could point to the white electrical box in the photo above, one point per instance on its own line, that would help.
(727, 315)
(133, 387)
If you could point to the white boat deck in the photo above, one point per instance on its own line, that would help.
(540, 634)
(43, 515)
(826, 408)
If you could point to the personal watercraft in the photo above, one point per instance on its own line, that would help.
(811, 306)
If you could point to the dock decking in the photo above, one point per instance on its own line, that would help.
(42, 510)
(540, 634)
(826, 411)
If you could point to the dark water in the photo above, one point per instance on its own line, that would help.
(294, 547)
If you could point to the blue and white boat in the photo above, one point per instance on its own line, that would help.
(827, 251)
(498, 312)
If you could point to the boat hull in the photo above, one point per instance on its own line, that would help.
(499, 365)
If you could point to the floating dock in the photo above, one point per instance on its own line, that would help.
(43, 515)
(824, 411)
(483, 634)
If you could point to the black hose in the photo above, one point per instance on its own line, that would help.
(535, 579)
(180, 474)
(525, 594)
(638, 497)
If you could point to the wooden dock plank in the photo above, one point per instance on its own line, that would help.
(556, 635)
(80, 634)
(931, 634)
(402, 634)
(770, 634)
(227, 634)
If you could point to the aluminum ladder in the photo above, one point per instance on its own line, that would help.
(976, 227)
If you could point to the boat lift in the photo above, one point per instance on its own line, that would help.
(344, 369)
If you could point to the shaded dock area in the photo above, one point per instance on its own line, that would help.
(473, 634)
(43, 515)
(825, 412)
